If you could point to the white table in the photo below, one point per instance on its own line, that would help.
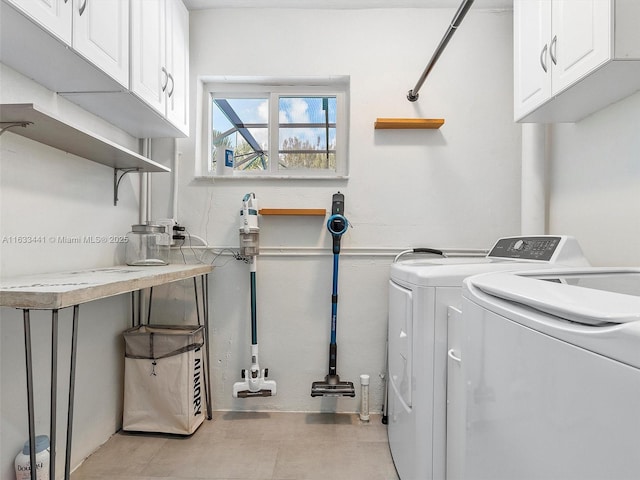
(55, 291)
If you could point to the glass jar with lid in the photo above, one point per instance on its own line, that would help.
(147, 244)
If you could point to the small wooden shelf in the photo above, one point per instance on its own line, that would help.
(411, 123)
(293, 211)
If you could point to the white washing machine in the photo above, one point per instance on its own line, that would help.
(420, 292)
(552, 363)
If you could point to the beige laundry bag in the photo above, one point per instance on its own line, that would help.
(164, 381)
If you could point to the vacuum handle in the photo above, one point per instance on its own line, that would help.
(336, 244)
(337, 204)
(337, 223)
(333, 358)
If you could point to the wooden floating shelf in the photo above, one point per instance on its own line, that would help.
(293, 211)
(411, 123)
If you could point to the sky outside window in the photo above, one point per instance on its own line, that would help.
(306, 132)
(241, 124)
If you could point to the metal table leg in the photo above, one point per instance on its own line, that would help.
(149, 305)
(54, 394)
(206, 376)
(195, 292)
(72, 381)
(204, 286)
(205, 300)
(29, 365)
(133, 309)
(139, 307)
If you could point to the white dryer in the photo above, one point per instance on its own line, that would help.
(420, 292)
(552, 364)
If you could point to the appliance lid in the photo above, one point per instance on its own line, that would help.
(589, 297)
(627, 283)
(452, 274)
(446, 272)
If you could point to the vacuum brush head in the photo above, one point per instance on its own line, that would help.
(255, 383)
(249, 393)
(332, 387)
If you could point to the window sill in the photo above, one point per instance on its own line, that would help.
(269, 177)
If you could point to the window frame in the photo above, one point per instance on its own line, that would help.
(273, 89)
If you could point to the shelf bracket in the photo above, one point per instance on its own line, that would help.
(117, 179)
(13, 124)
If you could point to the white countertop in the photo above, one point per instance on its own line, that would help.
(63, 289)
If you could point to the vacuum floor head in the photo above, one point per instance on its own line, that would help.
(249, 393)
(254, 384)
(333, 387)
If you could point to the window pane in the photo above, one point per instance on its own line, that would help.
(307, 134)
(241, 125)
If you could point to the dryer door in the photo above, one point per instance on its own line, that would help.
(400, 340)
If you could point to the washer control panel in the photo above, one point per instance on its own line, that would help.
(539, 248)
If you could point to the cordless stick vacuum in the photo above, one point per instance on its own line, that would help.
(254, 383)
(332, 386)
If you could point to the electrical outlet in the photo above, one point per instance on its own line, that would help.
(168, 224)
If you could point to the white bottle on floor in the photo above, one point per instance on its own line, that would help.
(23, 463)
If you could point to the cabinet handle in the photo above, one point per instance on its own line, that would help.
(452, 356)
(166, 78)
(172, 85)
(552, 49)
(82, 7)
(543, 58)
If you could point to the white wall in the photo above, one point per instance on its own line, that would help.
(49, 193)
(594, 183)
(454, 187)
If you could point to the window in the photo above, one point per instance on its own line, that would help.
(262, 128)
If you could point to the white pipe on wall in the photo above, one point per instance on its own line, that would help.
(143, 198)
(174, 189)
(293, 251)
(148, 216)
(143, 214)
(145, 185)
(533, 206)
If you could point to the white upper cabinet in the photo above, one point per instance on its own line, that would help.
(581, 39)
(532, 32)
(52, 15)
(97, 30)
(178, 64)
(148, 67)
(159, 62)
(573, 57)
(101, 34)
(126, 61)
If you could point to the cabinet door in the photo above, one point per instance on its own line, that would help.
(52, 15)
(532, 62)
(581, 39)
(149, 74)
(101, 35)
(178, 64)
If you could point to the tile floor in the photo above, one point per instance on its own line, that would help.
(256, 446)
